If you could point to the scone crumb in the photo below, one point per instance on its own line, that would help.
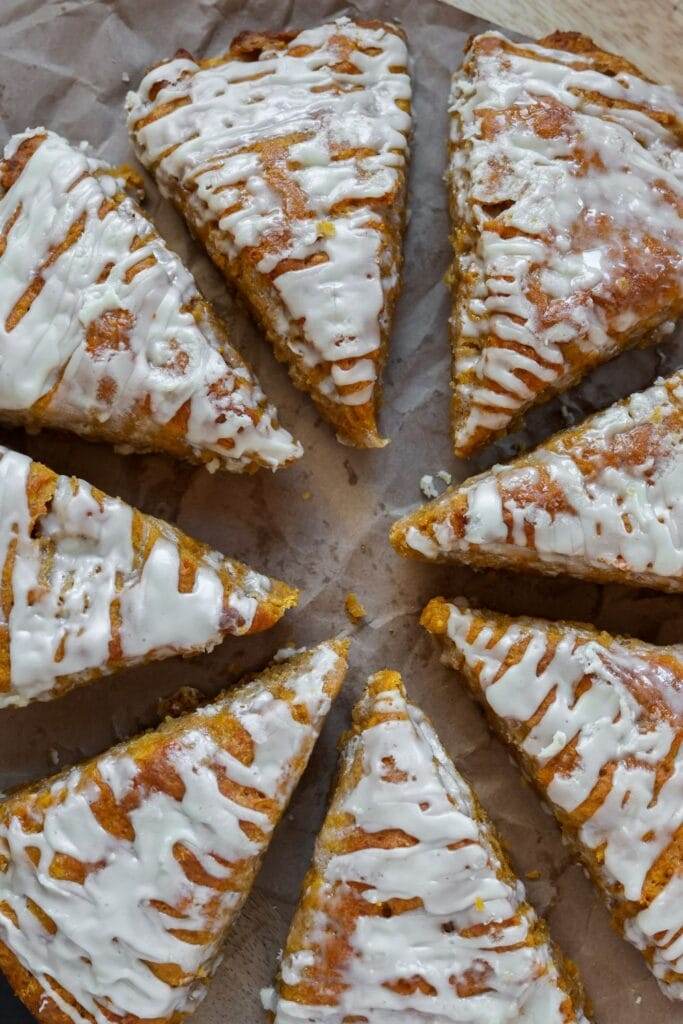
(533, 875)
(306, 495)
(444, 475)
(354, 609)
(428, 487)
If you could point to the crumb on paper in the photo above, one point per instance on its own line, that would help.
(125, 77)
(354, 609)
(212, 465)
(428, 487)
(326, 229)
(285, 653)
(533, 875)
(480, 905)
(639, 1000)
(54, 756)
(306, 495)
(444, 475)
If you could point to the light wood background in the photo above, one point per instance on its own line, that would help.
(648, 32)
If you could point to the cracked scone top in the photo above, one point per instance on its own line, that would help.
(566, 180)
(120, 877)
(597, 723)
(90, 585)
(287, 157)
(602, 501)
(410, 911)
(102, 329)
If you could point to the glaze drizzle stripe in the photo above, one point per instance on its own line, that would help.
(102, 329)
(602, 498)
(566, 183)
(296, 159)
(89, 585)
(598, 722)
(119, 878)
(408, 910)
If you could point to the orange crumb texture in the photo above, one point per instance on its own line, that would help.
(354, 608)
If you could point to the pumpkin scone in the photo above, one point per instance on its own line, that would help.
(410, 910)
(119, 878)
(102, 329)
(89, 585)
(602, 501)
(596, 722)
(287, 157)
(566, 194)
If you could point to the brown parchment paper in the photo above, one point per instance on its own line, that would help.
(322, 524)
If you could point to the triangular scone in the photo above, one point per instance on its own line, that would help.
(119, 878)
(90, 585)
(410, 910)
(287, 157)
(567, 202)
(601, 501)
(102, 329)
(596, 722)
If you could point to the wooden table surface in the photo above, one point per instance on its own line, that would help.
(648, 32)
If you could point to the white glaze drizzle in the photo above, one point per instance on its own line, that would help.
(633, 822)
(107, 929)
(331, 310)
(626, 517)
(589, 161)
(80, 559)
(161, 356)
(460, 889)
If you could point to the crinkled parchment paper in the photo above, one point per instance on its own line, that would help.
(322, 524)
